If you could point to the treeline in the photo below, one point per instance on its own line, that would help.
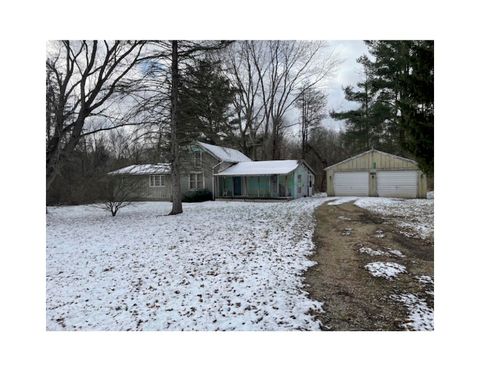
(395, 101)
(112, 104)
(83, 173)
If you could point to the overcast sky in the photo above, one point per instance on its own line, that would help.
(348, 73)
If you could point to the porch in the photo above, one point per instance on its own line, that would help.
(258, 186)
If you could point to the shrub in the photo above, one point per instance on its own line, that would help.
(199, 195)
(117, 192)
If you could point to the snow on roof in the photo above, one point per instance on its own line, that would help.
(144, 169)
(261, 168)
(224, 153)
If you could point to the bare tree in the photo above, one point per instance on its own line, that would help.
(312, 104)
(292, 67)
(119, 192)
(246, 75)
(84, 79)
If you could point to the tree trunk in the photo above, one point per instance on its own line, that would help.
(52, 160)
(304, 127)
(51, 174)
(275, 139)
(176, 187)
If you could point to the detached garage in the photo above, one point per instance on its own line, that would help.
(376, 174)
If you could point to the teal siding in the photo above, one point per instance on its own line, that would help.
(300, 188)
(252, 186)
(268, 186)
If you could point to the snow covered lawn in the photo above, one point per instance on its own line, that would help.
(416, 215)
(218, 266)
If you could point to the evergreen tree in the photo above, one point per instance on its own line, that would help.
(403, 74)
(366, 126)
(206, 99)
(417, 105)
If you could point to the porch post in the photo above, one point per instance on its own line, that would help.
(214, 181)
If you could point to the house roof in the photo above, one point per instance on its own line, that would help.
(224, 153)
(144, 169)
(261, 168)
(370, 150)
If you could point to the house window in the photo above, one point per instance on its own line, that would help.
(157, 181)
(196, 180)
(197, 159)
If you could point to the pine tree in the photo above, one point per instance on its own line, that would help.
(366, 125)
(206, 99)
(417, 105)
(403, 74)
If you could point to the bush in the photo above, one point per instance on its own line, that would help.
(199, 195)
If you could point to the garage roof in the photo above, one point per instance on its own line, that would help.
(371, 150)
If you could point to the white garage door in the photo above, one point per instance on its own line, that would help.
(351, 184)
(397, 184)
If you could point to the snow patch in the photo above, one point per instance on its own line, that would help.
(363, 249)
(420, 314)
(396, 253)
(425, 280)
(342, 200)
(387, 270)
(347, 232)
(371, 252)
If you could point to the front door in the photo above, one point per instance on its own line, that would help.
(237, 186)
(273, 186)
